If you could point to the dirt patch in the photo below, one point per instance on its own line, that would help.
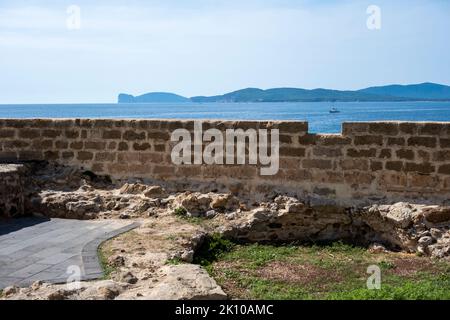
(302, 274)
(410, 266)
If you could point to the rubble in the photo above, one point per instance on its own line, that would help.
(141, 264)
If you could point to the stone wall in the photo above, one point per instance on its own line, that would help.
(375, 161)
(11, 190)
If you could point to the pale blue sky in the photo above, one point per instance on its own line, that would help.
(206, 47)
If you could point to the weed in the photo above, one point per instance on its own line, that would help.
(174, 261)
(212, 248)
(180, 211)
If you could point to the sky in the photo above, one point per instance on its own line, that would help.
(206, 47)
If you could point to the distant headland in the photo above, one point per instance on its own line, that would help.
(414, 92)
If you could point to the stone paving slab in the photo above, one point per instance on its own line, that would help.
(34, 249)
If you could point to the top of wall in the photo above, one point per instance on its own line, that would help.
(390, 128)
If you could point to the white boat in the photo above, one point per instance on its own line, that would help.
(334, 110)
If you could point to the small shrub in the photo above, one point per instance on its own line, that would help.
(180, 211)
(212, 248)
(386, 265)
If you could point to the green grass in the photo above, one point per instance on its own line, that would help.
(103, 258)
(270, 290)
(181, 213)
(212, 248)
(337, 272)
(174, 261)
(255, 256)
(408, 290)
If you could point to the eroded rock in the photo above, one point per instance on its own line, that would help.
(185, 282)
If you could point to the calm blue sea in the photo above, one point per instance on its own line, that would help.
(316, 113)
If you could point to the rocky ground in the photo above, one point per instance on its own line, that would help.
(155, 261)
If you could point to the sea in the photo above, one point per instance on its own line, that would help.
(316, 113)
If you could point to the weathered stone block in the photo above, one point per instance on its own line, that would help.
(105, 157)
(7, 133)
(189, 170)
(385, 154)
(444, 169)
(26, 155)
(368, 140)
(292, 152)
(390, 129)
(76, 145)
(156, 135)
(352, 128)
(123, 146)
(112, 145)
(358, 178)
(362, 153)
(102, 123)
(408, 128)
(98, 167)
(95, 145)
(72, 134)
(29, 133)
(394, 165)
(85, 155)
(49, 133)
(391, 179)
(42, 144)
(441, 155)
(326, 176)
(424, 168)
(405, 154)
(151, 158)
(141, 146)
(396, 141)
(429, 142)
(61, 144)
(67, 155)
(15, 144)
(165, 170)
(307, 139)
(292, 126)
(327, 152)
(317, 164)
(112, 134)
(160, 147)
(422, 181)
(51, 155)
(354, 164)
(376, 165)
(333, 140)
(128, 157)
(130, 135)
(286, 139)
(431, 129)
(444, 143)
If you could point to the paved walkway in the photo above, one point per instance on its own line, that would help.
(53, 249)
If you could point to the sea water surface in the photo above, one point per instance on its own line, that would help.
(316, 113)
